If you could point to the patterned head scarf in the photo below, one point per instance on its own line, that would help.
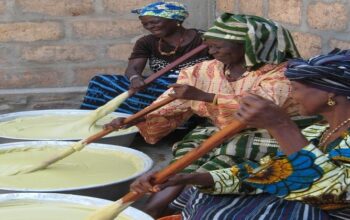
(169, 10)
(265, 41)
(330, 72)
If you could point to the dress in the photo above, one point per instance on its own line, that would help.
(314, 175)
(268, 81)
(102, 88)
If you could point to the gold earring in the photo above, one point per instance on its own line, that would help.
(331, 102)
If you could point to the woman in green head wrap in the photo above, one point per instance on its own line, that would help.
(249, 52)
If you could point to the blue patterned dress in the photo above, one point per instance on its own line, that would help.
(312, 183)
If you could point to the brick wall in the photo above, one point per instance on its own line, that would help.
(316, 25)
(49, 49)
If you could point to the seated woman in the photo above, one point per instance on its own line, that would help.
(168, 41)
(249, 52)
(313, 167)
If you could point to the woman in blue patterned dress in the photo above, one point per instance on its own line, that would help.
(308, 179)
(168, 41)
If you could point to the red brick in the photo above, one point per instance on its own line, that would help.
(82, 76)
(106, 29)
(2, 6)
(46, 54)
(251, 7)
(328, 16)
(308, 44)
(32, 79)
(57, 8)
(120, 51)
(334, 43)
(124, 6)
(30, 31)
(287, 11)
(225, 5)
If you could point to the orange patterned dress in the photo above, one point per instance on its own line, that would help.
(268, 81)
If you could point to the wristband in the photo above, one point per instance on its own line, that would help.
(134, 77)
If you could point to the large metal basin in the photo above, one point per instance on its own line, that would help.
(123, 139)
(130, 212)
(112, 190)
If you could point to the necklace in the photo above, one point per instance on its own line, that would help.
(324, 137)
(181, 40)
(227, 72)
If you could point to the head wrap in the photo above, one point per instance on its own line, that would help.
(330, 72)
(265, 41)
(169, 10)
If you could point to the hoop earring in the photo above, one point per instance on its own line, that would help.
(331, 102)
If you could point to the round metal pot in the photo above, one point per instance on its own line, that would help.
(130, 212)
(123, 139)
(112, 190)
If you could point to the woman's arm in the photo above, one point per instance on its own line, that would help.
(134, 71)
(258, 112)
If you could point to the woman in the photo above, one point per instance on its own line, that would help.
(168, 41)
(314, 164)
(248, 52)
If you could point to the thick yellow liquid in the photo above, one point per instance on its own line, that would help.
(55, 127)
(84, 168)
(35, 210)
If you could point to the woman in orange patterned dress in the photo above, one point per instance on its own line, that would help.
(213, 89)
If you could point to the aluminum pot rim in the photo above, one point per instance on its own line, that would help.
(147, 162)
(12, 115)
(75, 199)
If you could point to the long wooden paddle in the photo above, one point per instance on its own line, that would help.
(113, 104)
(111, 211)
(106, 109)
(81, 144)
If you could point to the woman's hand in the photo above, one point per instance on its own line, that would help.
(144, 183)
(258, 112)
(116, 123)
(190, 93)
(137, 83)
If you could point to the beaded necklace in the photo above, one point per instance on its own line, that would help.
(181, 40)
(324, 137)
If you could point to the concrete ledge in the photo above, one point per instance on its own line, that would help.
(81, 89)
(12, 100)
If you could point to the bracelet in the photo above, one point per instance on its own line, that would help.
(134, 77)
(215, 99)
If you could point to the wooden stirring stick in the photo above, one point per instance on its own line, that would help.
(112, 106)
(81, 144)
(95, 137)
(111, 211)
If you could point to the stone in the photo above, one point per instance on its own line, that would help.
(56, 8)
(124, 6)
(308, 44)
(251, 7)
(225, 5)
(2, 6)
(47, 54)
(30, 31)
(328, 16)
(82, 76)
(106, 29)
(120, 51)
(334, 43)
(287, 11)
(32, 79)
